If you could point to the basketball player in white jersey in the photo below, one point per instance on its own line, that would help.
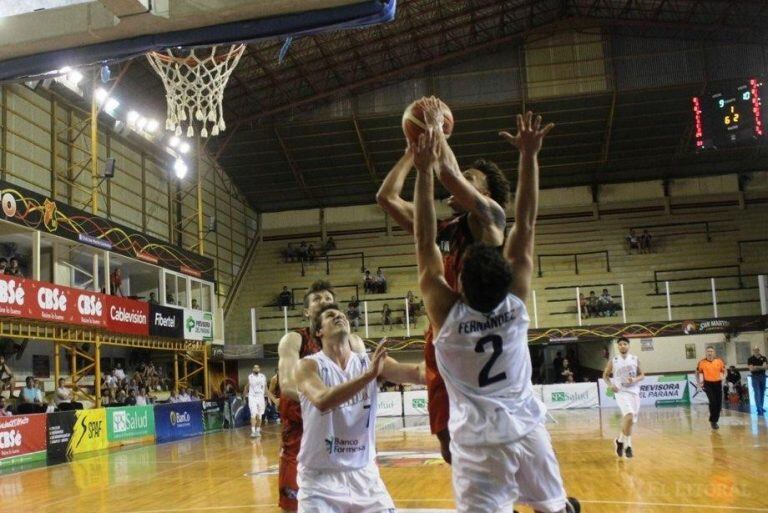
(502, 453)
(257, 387)
(338, 388)
(625, 384)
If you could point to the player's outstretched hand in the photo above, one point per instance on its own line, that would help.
(529, 133)
(377, 360)
(433, 114)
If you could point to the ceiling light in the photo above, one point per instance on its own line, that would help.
(100, 94)
(180, 168)
(110, 105)
(174, 141)
(141, 122)
(132, 116)
(74, 77)
(184, 147)
(152, 126)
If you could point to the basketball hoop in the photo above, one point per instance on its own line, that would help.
(194, 87)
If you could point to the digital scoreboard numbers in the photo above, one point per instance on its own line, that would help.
(733, 117)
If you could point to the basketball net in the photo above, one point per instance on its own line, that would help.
(194, 87)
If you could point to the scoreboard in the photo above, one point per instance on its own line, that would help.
(731, 117)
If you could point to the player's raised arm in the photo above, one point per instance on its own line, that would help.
(438, 296)
(389, 197)
(288, 354)
(486, 210)
(519, 246)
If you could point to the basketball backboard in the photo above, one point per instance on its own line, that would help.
(39, 36)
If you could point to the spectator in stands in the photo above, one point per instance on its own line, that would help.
(645, 242)
(195, 305)
(285, 298)
(567, 375)
(593, 305)
(3, 265)
(386, 317)
(116, 282)
(367, 282)
(4, 408)
(152, 299)
(30, 393)
(353, 315)
(142, 398)
(6, 375)
(174, 397)
(13, 268)
(606, 304)
(330, 244)
(380, 281)
(311, 253)
(119, 372)
(413, 307)
(169, 299)
(583, 306)
(557, 365)
(131, 399)
(184, 396)
(303, 251)
(633, 241)
(354, 301)
(63, 393)
(289, 254)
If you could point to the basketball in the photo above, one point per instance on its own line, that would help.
(413, 120)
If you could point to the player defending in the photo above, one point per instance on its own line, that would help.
(338, 389)
(293, 346)
(478, 198)
(257, 385)
(502, 453)
(627, 376)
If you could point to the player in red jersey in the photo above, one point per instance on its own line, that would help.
(478, 198)
(292, 347)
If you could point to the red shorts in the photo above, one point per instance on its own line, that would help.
(292, 428)
(437, 395)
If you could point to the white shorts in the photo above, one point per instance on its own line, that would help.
(350, 491)
(629, 404)
(257, 407)
(491, 479)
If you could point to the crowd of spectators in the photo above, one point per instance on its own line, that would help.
(11, 267)
(597, 306)
(374, 283)
(307, 252)
(640, 243)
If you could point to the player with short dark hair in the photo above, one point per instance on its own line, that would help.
(478, 198)
(625, 370)
(501, 451)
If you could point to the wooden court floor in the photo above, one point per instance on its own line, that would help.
(681, 466)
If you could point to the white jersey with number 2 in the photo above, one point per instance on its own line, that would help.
(485, 363)
(257, 386)
(623, 369)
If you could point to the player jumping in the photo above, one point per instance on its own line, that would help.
(502, 453)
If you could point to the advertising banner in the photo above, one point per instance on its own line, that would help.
(127, 316)
(175, 421)
(61, 426)
(415, 402)
(697, 395)
(197, 325)
(166, 322)
(90, 431)
(22, 438)
(130, 424)
(33, 210)
(213, 416)
(661, 390)
(390, 404)
(570, 395)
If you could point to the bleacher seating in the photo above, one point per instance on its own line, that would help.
(677, 245)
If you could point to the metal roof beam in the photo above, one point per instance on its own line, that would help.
(294, 168)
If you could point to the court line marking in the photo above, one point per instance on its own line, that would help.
(450, 501)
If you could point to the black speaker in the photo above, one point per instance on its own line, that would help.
(109, 168)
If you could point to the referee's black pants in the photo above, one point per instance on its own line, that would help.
(714, 391)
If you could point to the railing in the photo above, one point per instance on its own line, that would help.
(657, 273)
(576, 259)
(336, 256)
(750, 241)
(668, 225)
